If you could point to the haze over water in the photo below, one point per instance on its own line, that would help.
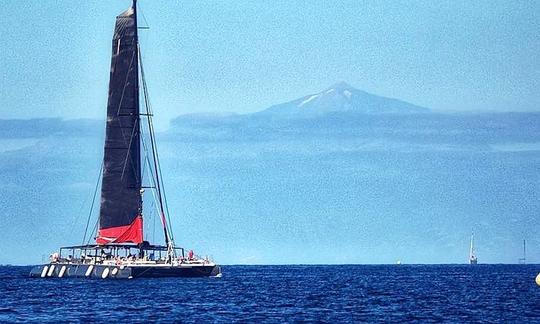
(339, 176)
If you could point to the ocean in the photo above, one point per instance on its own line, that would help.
(287, 293)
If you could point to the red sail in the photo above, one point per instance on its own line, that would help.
(121, 234)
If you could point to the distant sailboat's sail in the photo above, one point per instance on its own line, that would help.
(120, 218)
(472, 253)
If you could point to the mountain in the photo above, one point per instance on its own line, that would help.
(340, 187)
(341, 97)
(339, 100)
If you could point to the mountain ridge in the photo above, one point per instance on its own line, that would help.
(341, 97)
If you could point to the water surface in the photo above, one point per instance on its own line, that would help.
(345, 293)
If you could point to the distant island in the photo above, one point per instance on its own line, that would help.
(344, 170)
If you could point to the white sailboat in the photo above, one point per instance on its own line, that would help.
(472, 252)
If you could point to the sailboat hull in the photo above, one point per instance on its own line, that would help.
(73, 270)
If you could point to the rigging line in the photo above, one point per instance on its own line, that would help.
(153, 225)
(129, 150)
(152, 180)
(125, 83)
(158, 164)
(94, 230)
(142, 13)
(155, 151)
(143, 166)
(164, 195)
(163, 191)
(120, 106)
(76, 215)
(161, 186)
(156, 202)
(160, 181)
(93, 201)
(152, 142)
(135, 126)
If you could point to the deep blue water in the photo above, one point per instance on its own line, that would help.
(348, 293)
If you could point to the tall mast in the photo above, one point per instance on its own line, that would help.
(523, 260)
(524, 252)
(138, 130)
(134, 6)
(471, 252)
(152, 136)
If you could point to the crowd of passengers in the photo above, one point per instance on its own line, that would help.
(129, 258)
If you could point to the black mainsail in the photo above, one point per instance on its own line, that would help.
(120, 218)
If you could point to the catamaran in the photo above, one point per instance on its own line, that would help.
(120, 249)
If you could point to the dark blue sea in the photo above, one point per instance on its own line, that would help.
(344, 293)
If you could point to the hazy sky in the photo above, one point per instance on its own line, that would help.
(376, 189)
(244, 56)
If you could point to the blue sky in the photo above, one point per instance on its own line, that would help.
(342, 189)
(245, 56)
